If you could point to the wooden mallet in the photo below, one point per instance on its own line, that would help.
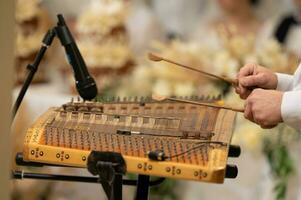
(157, 58)
(163, 98)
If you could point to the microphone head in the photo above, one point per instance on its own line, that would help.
(87, 89)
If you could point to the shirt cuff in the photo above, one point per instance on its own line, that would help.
(291, 109)
(285, 82)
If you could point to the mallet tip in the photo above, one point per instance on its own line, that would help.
(154, 57)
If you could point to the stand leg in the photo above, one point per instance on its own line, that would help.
(142, 187)
(117, 187)
(114, 190)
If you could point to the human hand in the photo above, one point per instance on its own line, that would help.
(254, 76)
(263, 107)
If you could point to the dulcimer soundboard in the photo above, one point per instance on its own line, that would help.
(195, 139)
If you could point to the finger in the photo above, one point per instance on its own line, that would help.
(268, 126)
(237, 90)
(252, 81)
(247, 70)
(244, 92)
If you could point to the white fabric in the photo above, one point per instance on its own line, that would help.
(285, 82)
(291, 106)
(293, 41)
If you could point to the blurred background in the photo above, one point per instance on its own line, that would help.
(114, 37)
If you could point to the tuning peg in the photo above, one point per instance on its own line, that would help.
(231, 171)
(64, 106)
(147, 99)
(234, 151)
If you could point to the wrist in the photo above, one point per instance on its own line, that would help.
(280, 104)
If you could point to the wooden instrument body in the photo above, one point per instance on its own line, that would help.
(66, 136)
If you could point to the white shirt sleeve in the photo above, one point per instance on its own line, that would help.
(291, 109)
(285, 82)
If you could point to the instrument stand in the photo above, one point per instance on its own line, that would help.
(143, 186)
(110, 167)
(109, 172)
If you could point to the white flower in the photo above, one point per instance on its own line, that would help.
(271, 55)
(224, 64)
(184, 89)
(113, 55)
(102, 16)
(138, 83)
(233, 99)
(162, 87)
(251, 58)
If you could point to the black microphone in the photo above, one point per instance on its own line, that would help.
(85, 84)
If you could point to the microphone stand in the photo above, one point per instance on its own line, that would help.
(33, 68)
(85, 84)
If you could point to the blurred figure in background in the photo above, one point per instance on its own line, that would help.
(286, 29)
(235, 17)
(179, 16)
(230, 35)
(143, 26)
(237, 35)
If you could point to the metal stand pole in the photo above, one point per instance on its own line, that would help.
(142, 187)
(33, 68)
(117, 185)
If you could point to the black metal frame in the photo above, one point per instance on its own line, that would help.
(19, 175)
(143, 184)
